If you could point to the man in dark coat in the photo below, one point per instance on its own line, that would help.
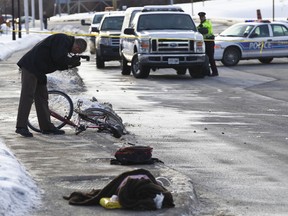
(47, 56)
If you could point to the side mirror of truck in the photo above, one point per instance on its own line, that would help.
(129, 31)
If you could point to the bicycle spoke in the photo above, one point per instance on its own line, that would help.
(105, 119)
(60, 103)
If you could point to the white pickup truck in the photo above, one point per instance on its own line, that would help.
(160, 37)
(94, 24)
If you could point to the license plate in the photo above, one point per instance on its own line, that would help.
(173, 61)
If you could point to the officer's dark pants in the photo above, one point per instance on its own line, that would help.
(210, 53)
(32, 90)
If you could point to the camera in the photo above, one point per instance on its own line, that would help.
(86, 57)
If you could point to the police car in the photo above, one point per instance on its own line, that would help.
(252, 40)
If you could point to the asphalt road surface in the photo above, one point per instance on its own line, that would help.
(227, 133)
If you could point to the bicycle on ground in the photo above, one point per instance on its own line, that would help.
(61, 109)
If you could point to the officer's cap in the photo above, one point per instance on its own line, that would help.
(201, 14)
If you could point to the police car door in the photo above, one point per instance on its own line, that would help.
(280, 39)
(260, 42)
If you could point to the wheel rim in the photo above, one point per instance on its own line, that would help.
(59, 102)
(138, 70)
(102, 115)
(231, 57)
(62, 106)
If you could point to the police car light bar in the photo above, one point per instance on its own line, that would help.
(161, 8)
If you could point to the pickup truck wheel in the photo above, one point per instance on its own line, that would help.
(138, 70)
(126, 70)
(197, 71)
(99, 62)
(181, 71)
(231, 56)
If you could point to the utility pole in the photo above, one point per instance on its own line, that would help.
(26, 16)
(19, 20)
(192, 8)
(41, 14)
(115, 5)
(273, 10)
(13, 22)
(33, 12)
(68, 6)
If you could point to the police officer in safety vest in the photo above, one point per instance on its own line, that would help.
(205, 28)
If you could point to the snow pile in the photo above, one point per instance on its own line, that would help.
(9, 46)
(17, 187)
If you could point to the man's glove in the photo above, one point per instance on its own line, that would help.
(74, 62)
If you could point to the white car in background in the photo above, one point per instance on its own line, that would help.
(6, 17)
(107, 41)
(252, 40)
(94, 24)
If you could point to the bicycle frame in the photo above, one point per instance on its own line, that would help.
(79, 127)
(63, 119)
(100, 118)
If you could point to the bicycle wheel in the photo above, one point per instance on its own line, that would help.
(60, 103)
(102, 117)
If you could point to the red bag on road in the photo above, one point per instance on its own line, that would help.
(134, 155)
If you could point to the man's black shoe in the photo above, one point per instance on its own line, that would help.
(54, 131)
(24, 132)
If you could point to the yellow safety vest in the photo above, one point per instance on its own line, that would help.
(208, 25)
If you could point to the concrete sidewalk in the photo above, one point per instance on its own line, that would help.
(67, 163)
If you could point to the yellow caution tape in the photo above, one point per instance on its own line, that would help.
(107, 35)
(113, 36)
